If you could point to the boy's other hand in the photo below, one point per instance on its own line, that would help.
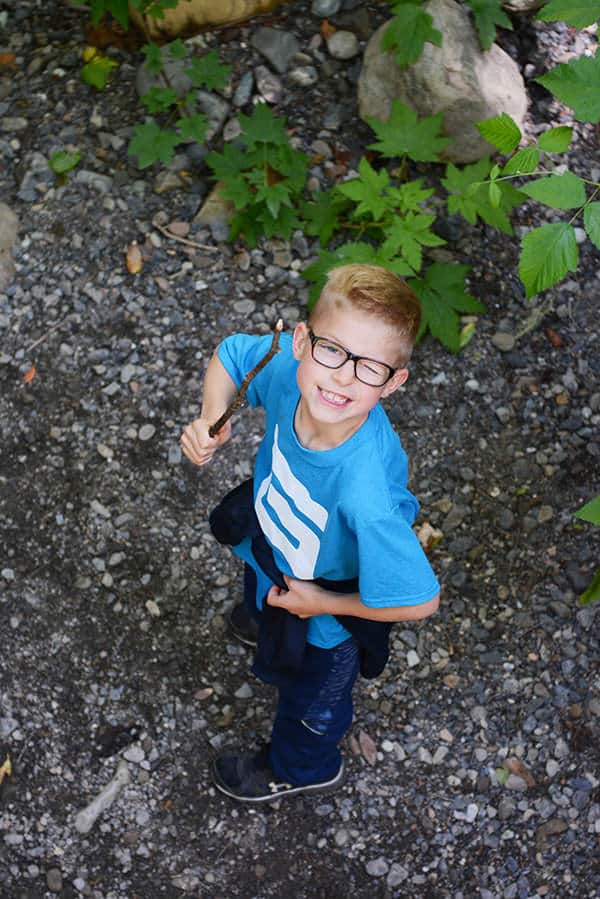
(302, 598)
(196, 443)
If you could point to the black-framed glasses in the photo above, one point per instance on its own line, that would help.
(330, 354)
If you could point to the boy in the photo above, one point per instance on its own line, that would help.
(325, 528)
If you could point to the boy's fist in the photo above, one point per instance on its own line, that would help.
(196, 443)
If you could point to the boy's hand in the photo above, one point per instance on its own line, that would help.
(302, 598)
(196, 443)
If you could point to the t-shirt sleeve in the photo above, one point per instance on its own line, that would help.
(239, 353)
(394, 570)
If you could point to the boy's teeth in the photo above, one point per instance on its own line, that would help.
(334, 397)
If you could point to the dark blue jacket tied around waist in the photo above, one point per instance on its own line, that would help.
(281, 635)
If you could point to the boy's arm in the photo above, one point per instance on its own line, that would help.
(305, 599)
(219, 390)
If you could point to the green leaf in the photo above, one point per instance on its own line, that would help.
(177, 49)
(321, 215)
(590, 512)
(154, 60)
(263, 127)
(501, 131)
(97, 72)
(159, 99)
(489, 15)
(228, 164)
(443, 299)
(151, 143)
(367, 191)
(495, 195)
(558, 191)
(407, 235)
(410, 196)
(470, 196)
(578, 13)
(591, 222)
(408, 32)
(404, 135)
(119, 10)
(592, 592)
(193, 127)
(556, 140)
(547, 254)
(523, 162)
(63, 161)
(209, 72)
(576, 84)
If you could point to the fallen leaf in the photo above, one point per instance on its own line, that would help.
(516, 766)
(5, 769)
(368, 747)
(29, 375)
(8, 60)
(327, 29)
(134, 259)
(554, 338)
(428, 536)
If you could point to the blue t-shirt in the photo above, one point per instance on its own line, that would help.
(336, 514)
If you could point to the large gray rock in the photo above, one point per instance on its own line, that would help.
(456, 79)
(9, 225)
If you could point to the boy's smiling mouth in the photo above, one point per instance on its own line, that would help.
(333, 399)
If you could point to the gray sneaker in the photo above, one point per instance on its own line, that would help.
(243, 625)
(248, 777)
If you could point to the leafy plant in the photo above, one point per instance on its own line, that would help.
(119, 9)
(179, 118)
(393, 217)
(411, 27)
(97, 68)
(63, 161)
(549, 251)
(591, 512)
(263, 176)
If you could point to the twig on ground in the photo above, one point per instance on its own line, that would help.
(45, 336)
(183, 240)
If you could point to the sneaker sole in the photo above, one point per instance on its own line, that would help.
(326, 786)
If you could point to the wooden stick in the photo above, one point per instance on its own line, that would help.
(238, 399)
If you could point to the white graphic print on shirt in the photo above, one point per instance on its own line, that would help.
(302, 557)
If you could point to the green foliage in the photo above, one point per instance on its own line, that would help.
(590, 512)
(547, 254)
(501, 131)
(63, 161)
(469, 195)
(97, 71)
(408, 32)
(488, 15)
(263, 176)
(576, 84)
(155, 141)
(119, 9)
(577, 13)
(565, 191)
(443, 300)
(405, 135)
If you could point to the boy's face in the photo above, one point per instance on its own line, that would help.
(334, 402)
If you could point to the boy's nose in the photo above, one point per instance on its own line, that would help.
(345, 373)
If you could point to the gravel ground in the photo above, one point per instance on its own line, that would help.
(473, 761)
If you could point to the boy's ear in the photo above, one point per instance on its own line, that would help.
(299, 339)
(397, 380)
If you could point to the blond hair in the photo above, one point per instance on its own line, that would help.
(377, 291)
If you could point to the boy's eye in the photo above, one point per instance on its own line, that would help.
(372, 367)
(332, 350)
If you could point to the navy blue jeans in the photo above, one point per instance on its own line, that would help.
(314, 708)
